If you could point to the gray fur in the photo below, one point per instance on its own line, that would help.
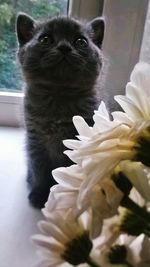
(61, 81)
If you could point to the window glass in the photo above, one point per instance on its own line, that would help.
(10, 76)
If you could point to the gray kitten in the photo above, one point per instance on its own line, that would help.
(61, 61)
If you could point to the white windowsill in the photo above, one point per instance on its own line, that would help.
(11, 97)
(11, 106)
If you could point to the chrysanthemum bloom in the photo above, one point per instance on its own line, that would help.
(102, 147)
(101, 201)
(123, 252)
(112, 236)
(101, 153)
(98, 154)
(99, 172)
(85, 187)
(64, 240)
(102, 121)
(93, 184)
(65, 196)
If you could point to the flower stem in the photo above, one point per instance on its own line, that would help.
(92, 263)
(131, 205)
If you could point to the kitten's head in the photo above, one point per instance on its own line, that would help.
(60, 50)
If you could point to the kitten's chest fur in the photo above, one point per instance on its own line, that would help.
(51, 116)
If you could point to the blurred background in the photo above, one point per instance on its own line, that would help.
(10, 78)
(126, 41)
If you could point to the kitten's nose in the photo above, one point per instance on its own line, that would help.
(64, 48)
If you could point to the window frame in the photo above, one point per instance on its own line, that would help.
(85, 9)
(10, 102)
(125, 23)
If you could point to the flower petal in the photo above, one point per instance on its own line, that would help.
(96, 224)
(145, 251)
(46, 242)
(61, 199)
(51, 262)
(69, 176)
(129, 107)
(137, 176)
(140, 100)
(81, 126)
(136, 101)
(122, 117)
(53, 231)
(102, 110)
(99, 171)
(102, 119)
(135, 247)
(140, 78)
(112, 194)
(72, 144)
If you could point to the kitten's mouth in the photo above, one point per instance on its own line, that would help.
(63, 61)
(69, 61)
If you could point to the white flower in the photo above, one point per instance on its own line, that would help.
(138, 248)
(84, 205)
(136, 102)
(52, 243)
(63, 240)
(138, 252)
(108, 142)
(82, 127)
(99, 155)
(65, 196)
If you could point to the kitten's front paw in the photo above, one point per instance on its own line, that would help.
(38, 198)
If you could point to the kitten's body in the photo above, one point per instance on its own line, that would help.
(61, 77)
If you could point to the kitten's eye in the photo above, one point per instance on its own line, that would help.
(45, 40)
(81, 42)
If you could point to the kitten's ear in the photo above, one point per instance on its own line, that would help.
(24, 27)
(98, 26)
